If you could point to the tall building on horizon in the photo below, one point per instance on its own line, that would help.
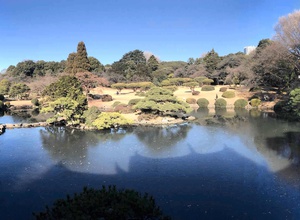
(249, 49)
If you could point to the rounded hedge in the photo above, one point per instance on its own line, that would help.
(35, 102)
(255, 103)
(207, 81)
(240, 103)
(191, 101)
(133, 101)
(195, 93)
(228, 94)
(116, 103)
(207, 88)
(223, 89)
(220, 103)
(202, 102)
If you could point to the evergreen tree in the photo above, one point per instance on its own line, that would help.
(211, 61)
(70, 63)
(153, 63)
(81, 62)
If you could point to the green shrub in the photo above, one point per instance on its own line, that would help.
(108, 120)
(281, 107)
(228, 94)
(133, 101)
(35, 102)
(255, 103)
(106, 203)
(171, 88)
(116, 103)
(207, 88)
(90, 115)
(140, 94)
(202, 102)
(191, 101)
(1, 97)
(223, 89)
(220, 103)
(207, 81)
(240, 103)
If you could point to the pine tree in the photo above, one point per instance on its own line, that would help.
(70, 63)
(153, 63)
(81, 62)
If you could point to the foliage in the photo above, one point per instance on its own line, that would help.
(207, 81)
(142, 94)
(2, 97)
(18, 90)
(35, 102)
(240, 103)
(25, 68)
(70, 63)
(223, 89)
(211, 60)
(116, 103)
(200, 79)
(191, 101)
(255, 102)
(133, 101)
(139, 85)
(118, 86)
(106, 98)
(202, 103)
(191, 85)
(294, 101)
(1, 105)
(90, 115)
(66, 86)
(108, 120)
(96, 66)
(152, 63)
(220, 103)
(65, 108)
(228, 94)
(106, 203)
(81, 61)
(207, 88)
(171, 88)
(123, 108)
(4, 86)
(161, 101)
(90, 80)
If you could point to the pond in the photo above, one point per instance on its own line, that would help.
(249, 170)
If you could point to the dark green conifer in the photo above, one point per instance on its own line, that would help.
(81, 62)
(70, 63)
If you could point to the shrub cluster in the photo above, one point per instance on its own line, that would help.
(255, 103)
(191, 101)
(207, 88)
(240, 103)
(133, 101)
(171, 88)
(202, 102)
(228, 94)
(35, 102)
(220, 103)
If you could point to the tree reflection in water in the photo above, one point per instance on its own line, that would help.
(159, 139)
(71, 145)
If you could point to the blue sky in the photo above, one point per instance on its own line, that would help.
(171, 29)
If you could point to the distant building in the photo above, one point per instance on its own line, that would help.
(249, 49)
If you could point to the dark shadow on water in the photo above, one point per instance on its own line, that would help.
(220, 185)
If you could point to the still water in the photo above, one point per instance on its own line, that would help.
(248, 170)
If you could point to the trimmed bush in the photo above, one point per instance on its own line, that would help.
(255, 103)
(171, 88)
(220, 103)
(202, 102)
(223, 89)
(207, 88)
(116, 103)
(195, 93)
(140, 94)
(228, 94)
(191, 101)
(207, 81)
(35, 102)
(240, 103)
(106, 98)
(108, 120)
(1, 97)
(90, 115)
(133, 101)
